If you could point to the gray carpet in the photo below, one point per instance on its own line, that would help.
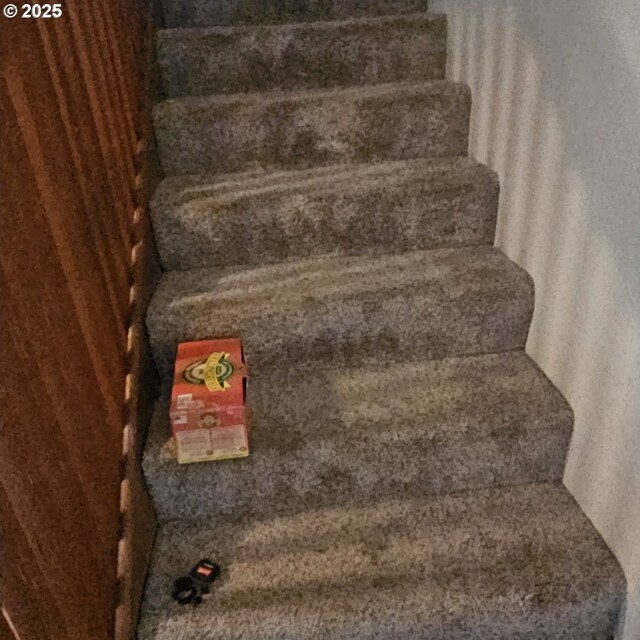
(520, 563)
(304, 129)
(406, 455)
(302, 56)
(351, 435)
(258, 217)
(204, 13)
(431, 304)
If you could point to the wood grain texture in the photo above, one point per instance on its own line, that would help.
(138, 523)
(73, 96)
(6, 633)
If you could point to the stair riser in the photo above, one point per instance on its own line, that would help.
(345, 213)
(350, 332)
(294, 57)
(203, 13)
(390, 122)
(337, 476)
(401, 321)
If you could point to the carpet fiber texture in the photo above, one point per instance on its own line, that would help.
(429, 304)
(351, 435)
(520, 563)
(305, 129)
(405, 454)
(258, 218)
(302, 56)
(204, 13)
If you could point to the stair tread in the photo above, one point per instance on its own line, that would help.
(265, 217)
(178, 190)
(204, 13)
(319, 25)
(301, 129)
(507, 563)
(390, 303)
(361, 51)
(275, 97)
(337, 435)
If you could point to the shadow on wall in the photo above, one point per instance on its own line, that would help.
(556, 89)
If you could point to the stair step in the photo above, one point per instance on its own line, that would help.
(204, 13)
(433, 304)
(334, 436)
(506, 564)
(306, 129)
(302, 56)
(262, 218)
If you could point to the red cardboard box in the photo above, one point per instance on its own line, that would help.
(207, 401)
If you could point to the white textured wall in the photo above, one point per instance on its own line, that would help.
(556, 88)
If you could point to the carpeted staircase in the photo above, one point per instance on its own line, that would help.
(406, 456)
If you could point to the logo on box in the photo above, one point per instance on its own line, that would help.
(207, 401)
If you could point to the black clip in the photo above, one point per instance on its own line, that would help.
(190, 589)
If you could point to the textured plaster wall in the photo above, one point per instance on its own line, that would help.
(556, 89)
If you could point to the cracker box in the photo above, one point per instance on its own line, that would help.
(207, 402)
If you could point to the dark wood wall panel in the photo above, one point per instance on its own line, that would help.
(6, 633)
(72, 110)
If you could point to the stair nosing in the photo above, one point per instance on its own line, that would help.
(275, 97)
(319, 25)
(234, 183)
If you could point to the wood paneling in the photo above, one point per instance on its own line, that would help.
(73, 121)
(6, 633)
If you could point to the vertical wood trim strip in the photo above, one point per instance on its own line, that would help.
(112, 257)
(100, 108)
(121, 57)
(7, 628)
(44, 179)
